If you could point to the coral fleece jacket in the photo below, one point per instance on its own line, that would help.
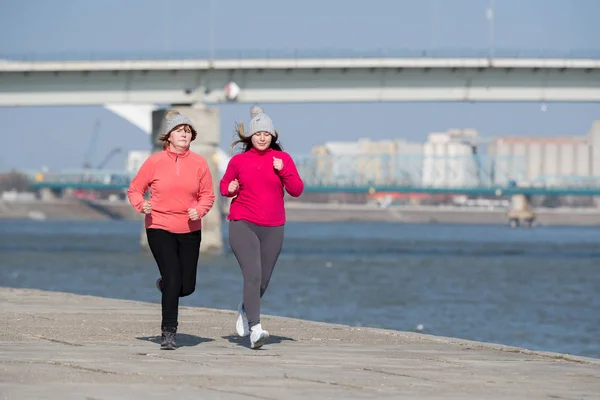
(259, 198)
(177, 182)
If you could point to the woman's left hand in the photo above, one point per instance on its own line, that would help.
(193, 213)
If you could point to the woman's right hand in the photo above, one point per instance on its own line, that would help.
(234, 185)
(147, 207)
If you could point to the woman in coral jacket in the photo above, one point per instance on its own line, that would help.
(256, 179)
(181, 193)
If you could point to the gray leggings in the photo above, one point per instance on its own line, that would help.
(256, 249)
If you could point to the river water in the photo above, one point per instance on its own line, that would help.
(534, 288)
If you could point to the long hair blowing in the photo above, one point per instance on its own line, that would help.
(246, 141)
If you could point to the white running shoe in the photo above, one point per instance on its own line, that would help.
(241, 325)
(258, 337)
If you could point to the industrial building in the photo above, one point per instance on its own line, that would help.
(385, 162)
(135, 159)
(547, 161)
(458, 158)
(450, 159)
(446, 159)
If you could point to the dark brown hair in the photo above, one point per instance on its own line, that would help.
(246, 141)
(165, 138)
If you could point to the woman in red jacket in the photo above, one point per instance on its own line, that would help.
(256, 179)
(181, 193)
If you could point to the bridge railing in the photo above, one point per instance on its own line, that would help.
(84, 176)
(567, 181)
(228, 54)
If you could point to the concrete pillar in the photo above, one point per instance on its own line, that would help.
(207, 124)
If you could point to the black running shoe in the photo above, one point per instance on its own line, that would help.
(168, 339)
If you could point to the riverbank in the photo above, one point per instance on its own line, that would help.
(74, 209)
(434, 214)
(59, 345)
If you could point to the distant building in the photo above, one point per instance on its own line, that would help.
(547, 160)
(450, 159)
(455, 159)
(367, 162)
(135, 159)
(334, 163)
(594, 141)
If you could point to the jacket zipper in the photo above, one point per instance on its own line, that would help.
(177, 165)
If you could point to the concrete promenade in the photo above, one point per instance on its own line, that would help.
(65, 346)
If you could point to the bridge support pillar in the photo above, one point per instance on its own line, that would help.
(207, 123)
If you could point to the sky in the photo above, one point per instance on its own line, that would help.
(60, 137)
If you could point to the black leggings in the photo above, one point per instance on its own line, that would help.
(256, 249)
(177, 257)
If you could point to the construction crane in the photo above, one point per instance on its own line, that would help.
(108, 157)
(87, 161)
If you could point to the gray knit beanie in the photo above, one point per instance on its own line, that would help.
(260, 122)
(175, 120)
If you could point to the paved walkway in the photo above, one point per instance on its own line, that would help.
(65, 346)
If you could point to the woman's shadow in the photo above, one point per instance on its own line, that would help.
(245, 341)
(183, 339)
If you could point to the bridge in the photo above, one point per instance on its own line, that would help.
(134, 87)
(292, 79)
(374, 173)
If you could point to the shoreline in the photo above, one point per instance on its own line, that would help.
(435, 214)
(74, 209)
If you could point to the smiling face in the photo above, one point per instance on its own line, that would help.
(180, 138)
(261, 140)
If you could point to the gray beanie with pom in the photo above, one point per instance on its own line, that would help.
(260, 121)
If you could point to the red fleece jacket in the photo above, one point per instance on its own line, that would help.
(177, 182)
(259, 198)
